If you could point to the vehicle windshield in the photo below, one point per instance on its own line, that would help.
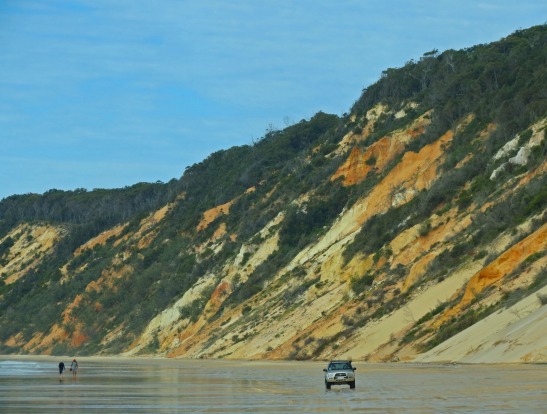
(333, 366)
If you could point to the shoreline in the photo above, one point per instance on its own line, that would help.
(41, 357)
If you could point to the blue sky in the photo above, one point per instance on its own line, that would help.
(108, 93)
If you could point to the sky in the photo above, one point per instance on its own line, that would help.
(110, 93)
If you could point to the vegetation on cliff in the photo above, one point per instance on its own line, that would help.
(296, 259)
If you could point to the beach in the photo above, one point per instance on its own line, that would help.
(138, 385)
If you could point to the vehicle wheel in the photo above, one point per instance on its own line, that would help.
(352, 384)
(327, 385)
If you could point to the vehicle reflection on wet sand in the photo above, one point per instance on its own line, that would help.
(121, 385)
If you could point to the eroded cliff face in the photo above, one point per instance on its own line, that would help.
(413, 229)
(308, 308)
(378, 155)
(268, 326)
(278, 323)
(30, 245)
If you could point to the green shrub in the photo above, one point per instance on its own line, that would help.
(457, 324)
(360, 284)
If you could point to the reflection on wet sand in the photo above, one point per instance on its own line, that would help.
(115, 385)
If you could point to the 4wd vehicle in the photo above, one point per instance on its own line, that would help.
(339, 372)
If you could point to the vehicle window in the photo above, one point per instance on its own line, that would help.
(337, 366)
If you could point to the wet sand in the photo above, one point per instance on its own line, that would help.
(131, 385)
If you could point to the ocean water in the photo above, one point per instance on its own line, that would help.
(134, 385)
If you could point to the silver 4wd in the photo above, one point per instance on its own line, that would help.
(339, 372)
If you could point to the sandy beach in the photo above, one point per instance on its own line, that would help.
(121, 385)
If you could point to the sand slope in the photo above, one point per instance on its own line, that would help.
(515, 334)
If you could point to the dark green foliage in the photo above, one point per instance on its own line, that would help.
(371, 160)
(98, 209)
(264, 272)
(448, 259)
(301, 225)
(457, 324)
(380, 229)
(193, 311)
(502, 82)
(539, 281)
(539, 153)
(506, 214)
(360, 284)
(34, 314)
(225, 175)
(5, 247)
(417, 330)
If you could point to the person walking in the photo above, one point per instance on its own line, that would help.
(61, 369)
(74, 367)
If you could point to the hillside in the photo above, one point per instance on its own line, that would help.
(412, 228)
